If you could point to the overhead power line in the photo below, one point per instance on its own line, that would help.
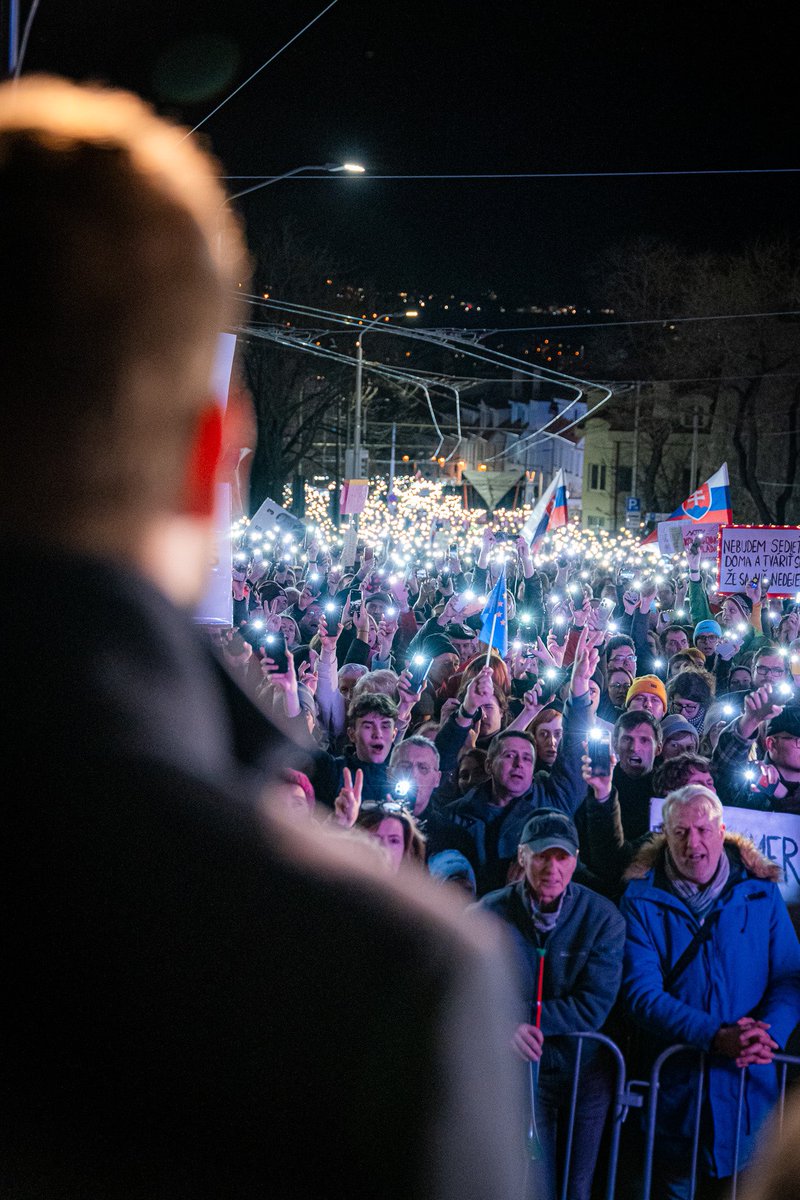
(561, 174)
(271, 59)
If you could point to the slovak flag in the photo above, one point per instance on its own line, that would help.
(709, 505)
(550, 511)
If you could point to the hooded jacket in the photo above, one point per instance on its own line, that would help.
(749, 966)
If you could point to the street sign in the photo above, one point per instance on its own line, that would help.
(356, 469)
(633, 512)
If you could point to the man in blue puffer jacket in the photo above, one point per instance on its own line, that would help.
(711, 961)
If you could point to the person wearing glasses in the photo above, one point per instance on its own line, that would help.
(689, 695)
(771, 665)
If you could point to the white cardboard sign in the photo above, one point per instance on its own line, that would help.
(760, 551)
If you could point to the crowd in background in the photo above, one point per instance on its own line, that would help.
(521, 776)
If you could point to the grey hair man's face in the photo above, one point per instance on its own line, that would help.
(695, 836)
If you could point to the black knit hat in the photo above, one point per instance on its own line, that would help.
(437, 643)
(787, 721)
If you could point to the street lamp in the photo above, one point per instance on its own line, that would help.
(351, 168)
(408, 312)
(331, 168)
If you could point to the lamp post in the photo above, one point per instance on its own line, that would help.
(350, 168)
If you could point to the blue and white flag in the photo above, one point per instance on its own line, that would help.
(494, 629)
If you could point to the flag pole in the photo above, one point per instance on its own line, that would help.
(491, 638)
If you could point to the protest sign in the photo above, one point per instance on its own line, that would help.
(776, 835)
(674, 537)
(353, 496)
(271, 518)
(349, 546)
(748, 552)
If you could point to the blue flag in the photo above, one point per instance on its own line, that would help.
(494, 615)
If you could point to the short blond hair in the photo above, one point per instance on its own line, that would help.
(119, 258)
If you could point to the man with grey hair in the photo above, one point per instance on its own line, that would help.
(711, 961)
(415, 762)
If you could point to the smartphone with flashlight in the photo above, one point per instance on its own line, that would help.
(420, 666)
(599, 752)
(333, 615)
(405, 792)
(274, 646)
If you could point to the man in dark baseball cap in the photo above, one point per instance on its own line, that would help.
(782, 741)
(549, 829)
(569, 944)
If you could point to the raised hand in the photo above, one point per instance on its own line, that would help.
(361, 622)
(386, 632)
(407, 698)
(328, 639)
(753, 590)
(584, 665)
(600, 784)
(555, 648)
(693, 557)
(304, 599)
(532, 701)
(284, 681)
(629, 602)
(347, 804)
(758, 706)
(480, 688)
(272, 621)
(580, 616)
(308, 676)
(647, 594)
(545, 653)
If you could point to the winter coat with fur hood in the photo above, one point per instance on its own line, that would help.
(749, 966)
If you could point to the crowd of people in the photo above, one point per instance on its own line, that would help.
(521, 774)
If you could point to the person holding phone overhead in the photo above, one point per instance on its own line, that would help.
(493, 813)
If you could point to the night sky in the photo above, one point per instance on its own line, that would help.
(420, 88)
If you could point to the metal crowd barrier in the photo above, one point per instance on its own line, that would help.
(623, 1099)
(639, 1093)
(783, 1061)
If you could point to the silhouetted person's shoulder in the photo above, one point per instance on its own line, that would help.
(201, 1008)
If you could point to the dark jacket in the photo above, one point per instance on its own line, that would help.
(168, 954)
(749, 966)
(328, 777)
(582, 965)
(634, 795)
